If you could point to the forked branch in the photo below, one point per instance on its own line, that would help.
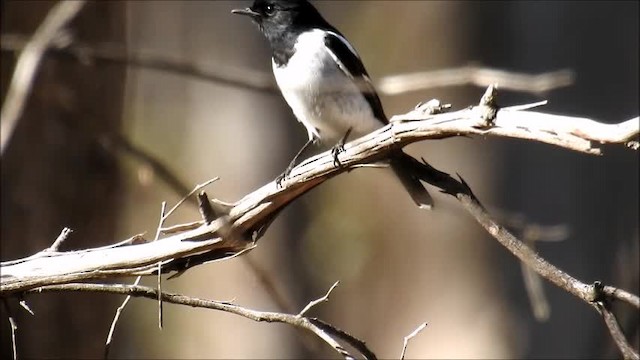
(237, 226)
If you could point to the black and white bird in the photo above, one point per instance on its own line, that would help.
(323, 80)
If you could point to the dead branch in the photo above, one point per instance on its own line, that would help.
(27, 65)
(478, 76)
(14, 327)
(616, 333)
(247, 219)
(593, 294)
(408, 338)
(239, 225)
(257, 81)
(328, 333)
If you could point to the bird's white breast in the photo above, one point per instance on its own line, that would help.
(320, 94)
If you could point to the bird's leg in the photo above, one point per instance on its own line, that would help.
(338, 148)
(292, 164)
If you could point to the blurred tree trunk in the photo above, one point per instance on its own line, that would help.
(56, 173)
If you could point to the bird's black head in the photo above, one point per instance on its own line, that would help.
(282, 18)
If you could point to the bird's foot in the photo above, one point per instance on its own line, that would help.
(335, 151)
(284, 176)
(339, 148)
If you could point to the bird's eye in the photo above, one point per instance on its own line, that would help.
(269, 9)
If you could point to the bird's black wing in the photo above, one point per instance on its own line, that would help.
(349, 62)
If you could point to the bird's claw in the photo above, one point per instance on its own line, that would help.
(339, 148)
(335, 152)
(284, 176)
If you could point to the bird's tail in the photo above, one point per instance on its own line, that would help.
(401, 165)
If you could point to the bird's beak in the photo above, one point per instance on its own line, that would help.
(247, 12)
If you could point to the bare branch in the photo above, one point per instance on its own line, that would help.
(257, 81)
(535, 291)
(591, 294)
(113, 142)
(478, 76)
(318, 301)
(256, 210)
(321, 329)
(616, 333)
(118, 261)
(24, 305)
(622, 295)
(14, 329)
(531, 234)
(64, 234)
(573, 133)
(409, 337)
(163, 217)
(275, 292)
(358, 344)
(28, 63)
(114, 322)
(241, 224)
(117, 54)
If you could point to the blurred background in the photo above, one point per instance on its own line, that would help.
(70, 163)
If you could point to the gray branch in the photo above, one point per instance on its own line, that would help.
(239, 225)
(328, 333)
(27, 65)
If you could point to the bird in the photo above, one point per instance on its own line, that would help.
(324, 82)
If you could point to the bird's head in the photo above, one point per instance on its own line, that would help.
(276, 17)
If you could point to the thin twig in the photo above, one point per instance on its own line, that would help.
(535, 291)
(121, 143)
(14, 329)
(461, 191)
(117, 54)
(195, 190)
(118, 142)
(64, 234)
(269, 285)
(136, 282)
(531, 234)
(320, 329)
(163, 217)
(477, 76)
(24, 305)
(622, 295)
(409, 337)
(356, 343)
(616, 333)
(114, 322)
(318, 301)
(27, 65)
(257, 81)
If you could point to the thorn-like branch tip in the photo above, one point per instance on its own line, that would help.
(64, 234)
(318, 301)
(411, 336)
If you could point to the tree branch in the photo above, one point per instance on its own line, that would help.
(328, 333)
(245, 220)
(594, 294)
(408, 338)
(475, 75)
(27, 65)
(241, 224)
(248, 79)
(616, 333)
